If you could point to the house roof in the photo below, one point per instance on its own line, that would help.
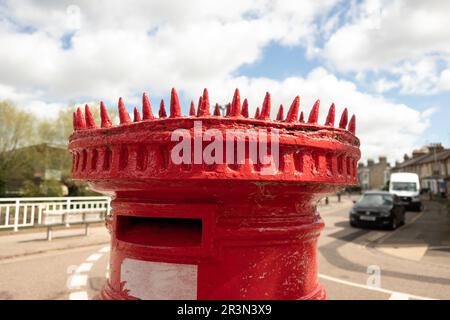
(411, 161)
(438, 156)
(426, 158)
(443, 155)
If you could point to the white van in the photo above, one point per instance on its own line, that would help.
(407, 187)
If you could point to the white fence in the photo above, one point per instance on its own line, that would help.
(16, 213)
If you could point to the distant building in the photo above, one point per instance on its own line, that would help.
(432, 164)
(374, 176)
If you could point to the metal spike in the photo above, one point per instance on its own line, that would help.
(147, 113)
(236, 104)
(257, 113)
(137, 115)
(293, 110)
(265, 111)
(74, 121)
(204, 107)
(344, 119)
(175, 110)
(352, 125)
(90, 123)
(199, 106)
(123, 114)
(302, 117)
(280, 114)
(228, 110)
(80, 119)
(330, 117)
(314, 114)
(192, 109)
(217, 110)
(245, 108)
(162, 109)
(106, 122)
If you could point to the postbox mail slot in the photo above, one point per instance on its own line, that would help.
(160, 232)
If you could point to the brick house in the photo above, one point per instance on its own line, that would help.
(432, 164)
(374, 175)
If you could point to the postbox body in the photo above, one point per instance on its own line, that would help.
(214, 231)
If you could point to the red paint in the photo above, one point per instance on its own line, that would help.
(192, 109)
(216, 110)
(236, 105)
(314, 114)
(330, 117)
(257, 113)
(302, 118)
(252, 236)
(245, 108)
(89, 119)
(344, 119)
(146, 108)
(123, 114)
(136, 115)
(105, 121)
(265, 111)
(280, 114)
(293, 110)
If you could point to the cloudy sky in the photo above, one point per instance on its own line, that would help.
(387, 61)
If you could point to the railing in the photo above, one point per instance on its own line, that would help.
(16, 213)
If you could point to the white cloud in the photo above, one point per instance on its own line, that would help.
(122, 49)
(418, 77)
(383, 127)
(383, 85)
(444, 79)
(33, 102)
(405, 35)
(406, 30)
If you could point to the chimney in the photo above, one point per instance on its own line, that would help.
(370, 162)
(435, 148)
(405, 157)
(418, 152)
(382, 159)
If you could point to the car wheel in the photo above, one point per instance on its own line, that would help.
(394, 224)
(353, 224)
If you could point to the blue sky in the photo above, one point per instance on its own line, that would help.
(388, 62)
(279, 62)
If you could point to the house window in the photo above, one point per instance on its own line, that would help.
(365, 177)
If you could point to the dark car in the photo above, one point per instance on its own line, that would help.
(378, 208)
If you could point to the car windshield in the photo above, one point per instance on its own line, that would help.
(376, 199)
(404, 186)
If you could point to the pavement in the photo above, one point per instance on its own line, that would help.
(412, 262)
(425, 240)
(25, 243)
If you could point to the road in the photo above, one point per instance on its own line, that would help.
(412, 262)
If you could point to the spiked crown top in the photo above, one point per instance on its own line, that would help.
(140, 148)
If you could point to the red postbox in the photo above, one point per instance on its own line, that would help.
(245, 227)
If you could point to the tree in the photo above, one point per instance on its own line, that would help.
(16, 131)
(57, 131)
(30, 145)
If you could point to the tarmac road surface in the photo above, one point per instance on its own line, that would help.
(412, 262)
